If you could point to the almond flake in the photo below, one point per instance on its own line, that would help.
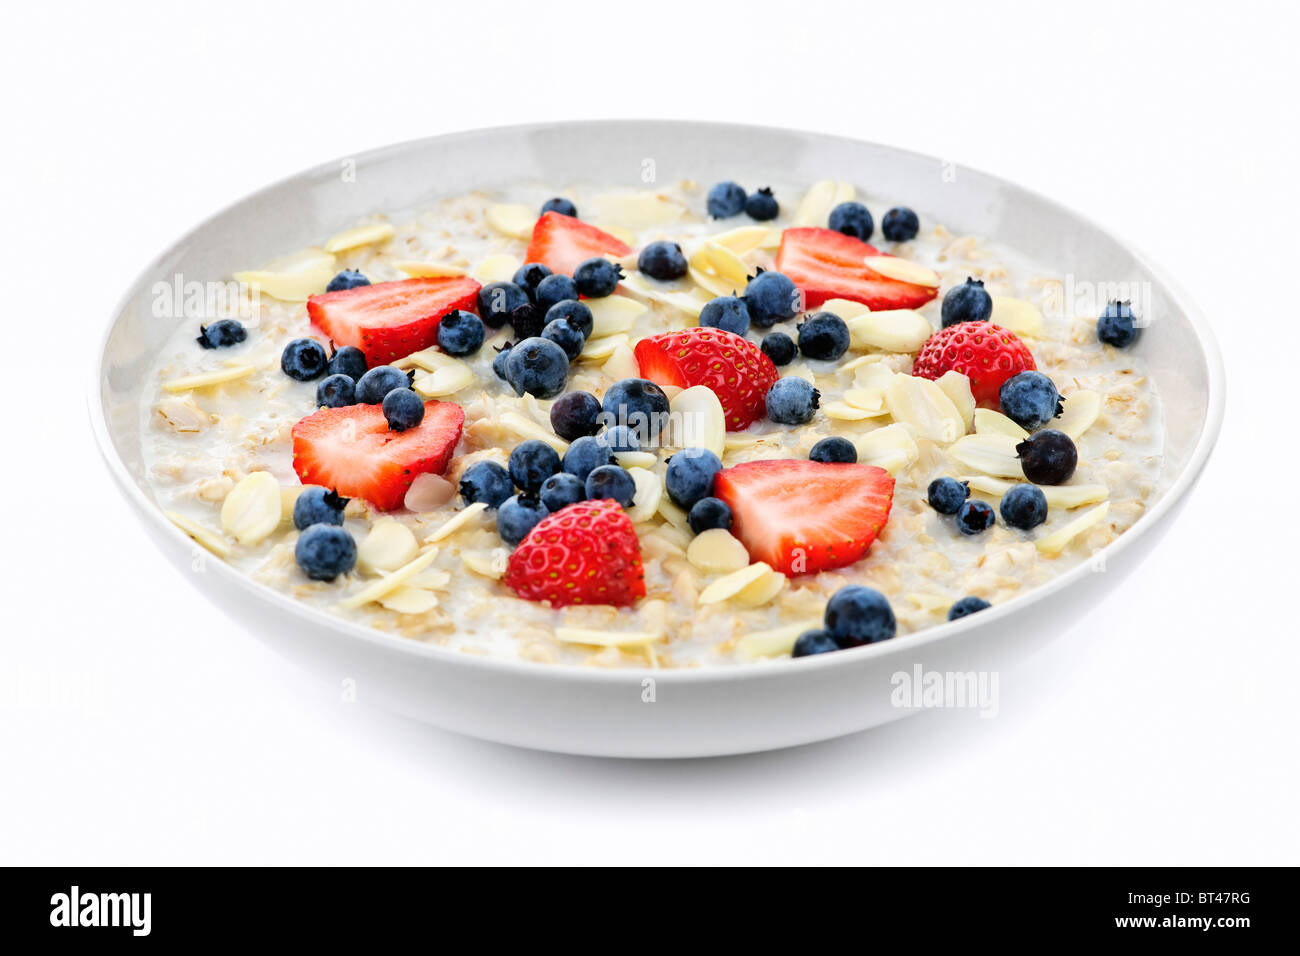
(622, 363)
(601, 349)
(844, 412)
(488, 564)
(697, 420)
(845, 308)
(714, 285)
(903, 270)
(461, 519)
(799, 370)
(869, 400)
(252, 509)
(512, 220)
(204, 536)
(892, 448)
(732, 584)
(1055, 542)
(391, 582)
(429, 359)
(445, 381)
(581, 635)
(690, 302)
(924, 407)
(717, 551)
(498, 268)
(230, 373)
(674, 515)
(636, 459)
(426, 270)
(1016, 315)
(760, 592)
(409, 600)
(742, 239)
(816, 205)
(992, 454)
(640, 210)
(957, 387)
(893, 330)
(292, 278)
(1081, 410)
(989, 422)
(427, 492)
(526, 428)
(775, 642)
(645, 500)
(1058, 496)
(360, 236)
(288, 498)
(723, 263)
(388, 546)
(612, 314)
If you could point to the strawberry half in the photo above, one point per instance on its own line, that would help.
(826, 264)
(585, 553)
(390, 320)
(985, 353)
(805, 516)
(734, 368)
(352, 450)
(562, 243)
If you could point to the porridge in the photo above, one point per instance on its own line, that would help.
(676, 428)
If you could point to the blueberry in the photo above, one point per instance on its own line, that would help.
(497, 300)
(575, 414)
(967, 605)
(709, 513)
(967, 302)
(611, 481)
(1030, 399)
(575, 312)
(662, 260)
(727, 312)
(537, 366)
(324, 551)
(517, 516)
(221, 334)
(529, 276)
(531, 463)
(304, 359)
(947, 495)
(460, 333)
(564, 207)
(499, 363)
(834, 450)
(792, 401)
(771, 298)
(315, 505)
(335, 391)
(553, 289)
(349, 361)
(900, 224)
(347, 279)
(858, 615)
(974, 517)
(639, 403)
(1024, 507)
(1048, 457)
(378, 382)
(813, 642)
(779, 347)
(823, 335)
(690, 476)
(566, 334)
(726, 199)
(403, 409)
(562, 490)
(585, 455)
(597, 278)
(1117, 325)
(853, 219)
(621, 438)
(762, 205)
(486, 481)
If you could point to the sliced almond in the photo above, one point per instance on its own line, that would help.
(716, 551)
(488, 564)
(845, 412)
(816, 205)
(595, 638)
(645, 500)
(689, 302)
(992, 454)
(1058, 496)
(799, 370)
(444, 381)
(892, 448)
(697, 420)
(639, 210)
(511, 219)
(252, 509)
(292, 278)
(431, 579)
(636, 459)
(742, 239)
(1081, 411)
(391, 582)
(989, 422)
(389, 545)
(674, 515)
(622, 363)
(288, 498)
(602, 349)
(732, 584)
(462, 519)
(360, 236)
(957, 387)
(724, 263)
(231, 373)
(1017, 315)
(845, 308)
(714, 285)
(424, 270)
(526, 428)
(924, 407)
(204, 536)
(1055, 543)
(429, 359)
(869, 400)
(774, 642)
(409, 600)
(903, 270)
(893, 330)
(761, 591)
(498, 268)
(612, 314)
(428, 492)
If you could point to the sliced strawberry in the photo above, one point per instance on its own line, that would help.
(985, 353)
(826, 264)
(390, 320)
(563, 243)
(805, 516)
(585, 553)
(735, 369)
(352, 450)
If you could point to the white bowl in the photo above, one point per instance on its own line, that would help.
(643, 713)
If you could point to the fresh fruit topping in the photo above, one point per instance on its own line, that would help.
(726, 199)
(561, 490)
(562, 243)
(349, 361)
(564, 207)
(621, 438)
(379, 381)
(1023, 507)
(517, 516)
(735, 370)
(390, 320)
(779, 347)
(638, 403)
(974, 517)
(497, 300)
(967, 605)
(1030, 399)
(573, 310)
(221, 334)
(689, 476)
(709, 513)
(403, 409)
(531, 463)
(986, 354)
(947, 495)
(762, 205)
(834, 450)
(900, 224)
(772, 297)
(537, 366)
(316, 505)
(662, 260)
(575, 414)
(347, 279)
(826, 264)
(1048, 457)
(486, 481)
(967, 302)
(857, 615)
(353, 450)
(813, 642)
(304, 360)
(565, 333)
(792, 401)
(1117, 325)
(852, 219)
(805, 516)
(587, 553)
(335, 391)
(610, 481)
(597, 277)
(529, 276)
(499, 363)
(823, 335)
(585, 455)
(461, 333)
(727, 312)
(324, 551)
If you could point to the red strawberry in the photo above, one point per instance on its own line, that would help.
(585, 553)
(826, 264)
(390, 320)
(985, 353)
(562, 243)
(736, 369)
(805, 516)
(352, 450)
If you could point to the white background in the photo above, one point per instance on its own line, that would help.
(138, 726)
